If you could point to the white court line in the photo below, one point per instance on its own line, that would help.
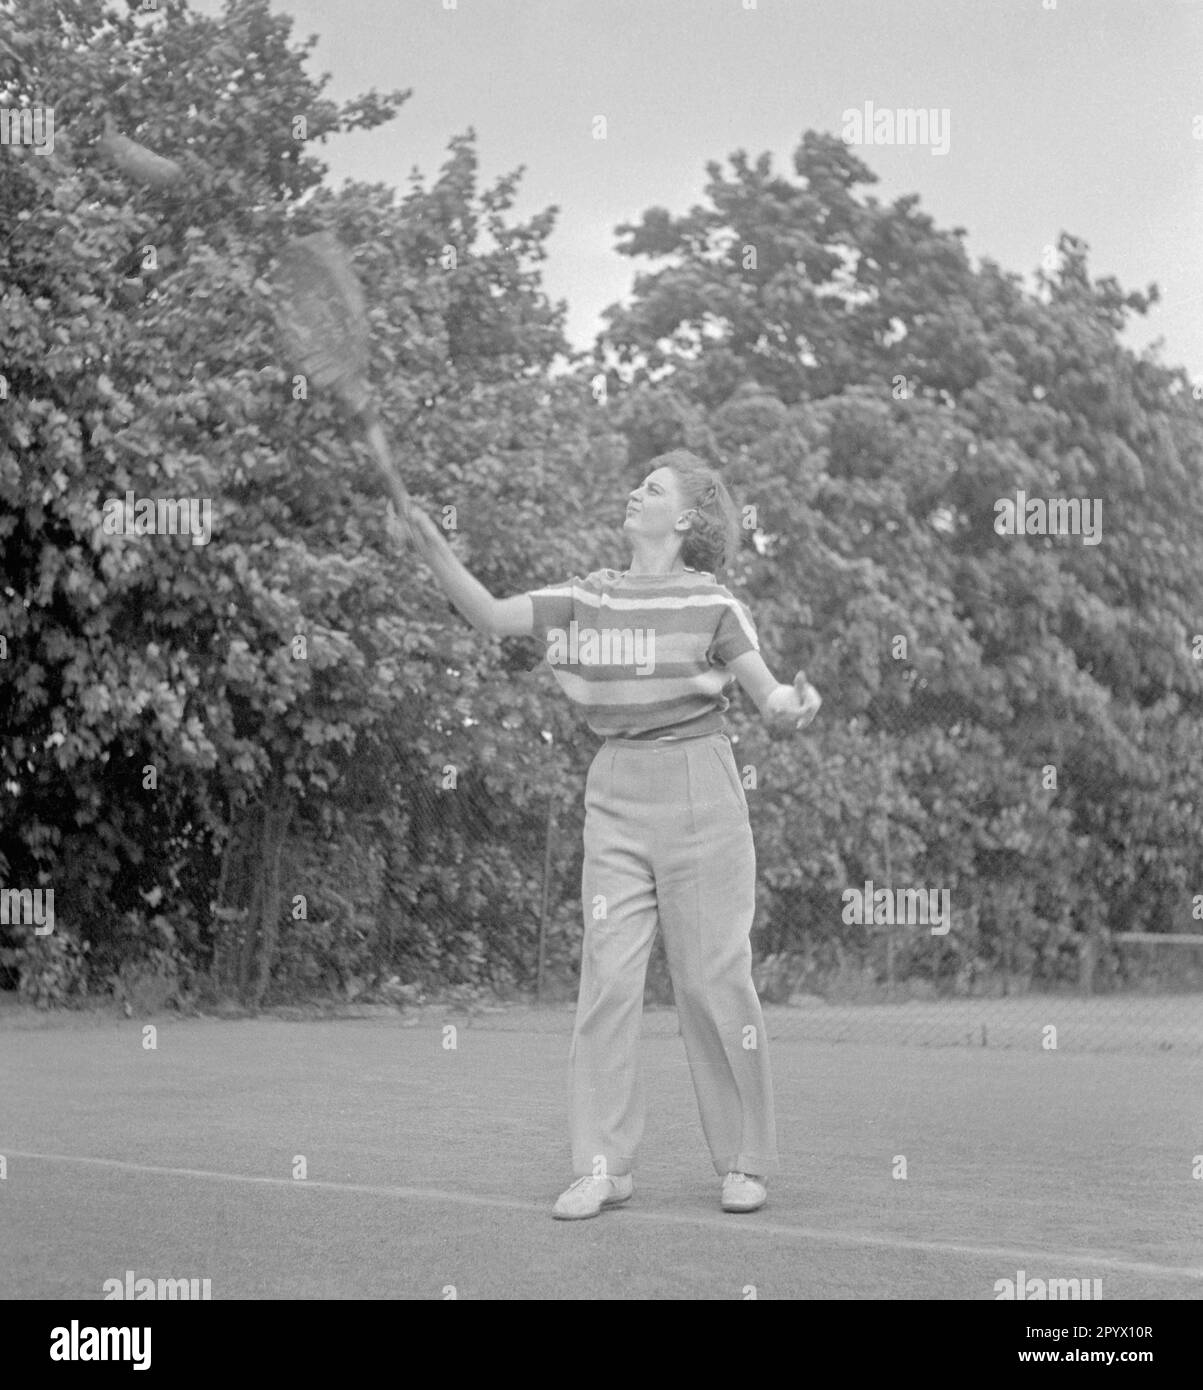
(751, 1224)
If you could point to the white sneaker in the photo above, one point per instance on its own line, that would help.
(743, 1192)
(587, 1196)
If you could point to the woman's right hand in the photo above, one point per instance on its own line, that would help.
(404, 518)
(428, 534)
(512, 617)
(411, 523)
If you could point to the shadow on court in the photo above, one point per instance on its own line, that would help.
(431, 1168)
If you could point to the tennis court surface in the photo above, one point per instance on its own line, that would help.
(431, 1168)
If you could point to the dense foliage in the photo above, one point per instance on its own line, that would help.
(278, 762)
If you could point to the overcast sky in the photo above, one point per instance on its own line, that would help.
(1085, 117)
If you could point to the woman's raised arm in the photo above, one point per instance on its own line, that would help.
(495, 617)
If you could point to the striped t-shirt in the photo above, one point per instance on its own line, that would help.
(642, 655)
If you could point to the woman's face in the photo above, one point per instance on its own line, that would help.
(655, 506)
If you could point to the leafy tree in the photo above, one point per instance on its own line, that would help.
(183, 721)
(280, 760)
(873, 395)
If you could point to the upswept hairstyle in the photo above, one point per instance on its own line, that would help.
(713, 537)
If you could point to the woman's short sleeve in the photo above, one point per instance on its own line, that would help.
(553, 605)
(735, 634)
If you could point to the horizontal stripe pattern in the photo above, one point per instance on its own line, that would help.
(643, 656)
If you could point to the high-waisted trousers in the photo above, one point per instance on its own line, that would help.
(668, 844)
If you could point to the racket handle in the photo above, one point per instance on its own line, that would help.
(378, 443)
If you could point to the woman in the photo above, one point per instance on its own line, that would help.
(646, 654)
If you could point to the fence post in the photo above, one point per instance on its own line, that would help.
(547, 841)
(890, 982)
(1086, 963)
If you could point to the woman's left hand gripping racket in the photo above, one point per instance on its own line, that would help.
(319, 309)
